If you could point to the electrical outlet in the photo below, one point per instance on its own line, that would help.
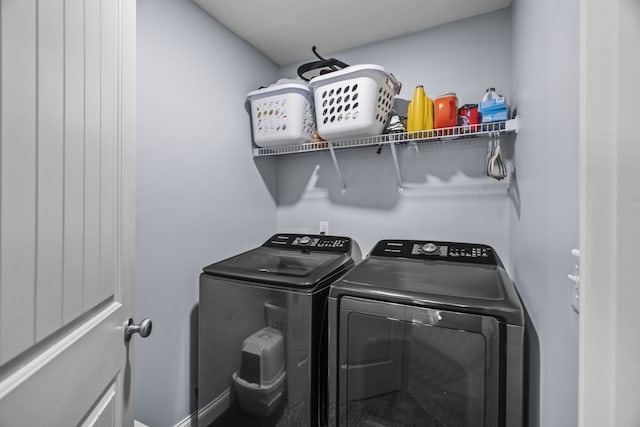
(324, 227)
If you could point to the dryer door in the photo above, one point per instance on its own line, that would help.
(406, 365)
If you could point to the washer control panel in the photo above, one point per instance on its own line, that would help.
(444, 251)
(310, 242)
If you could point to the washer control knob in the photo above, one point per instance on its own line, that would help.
(305, 240)
(429, 248)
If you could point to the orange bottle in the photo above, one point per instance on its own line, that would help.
(446, 110)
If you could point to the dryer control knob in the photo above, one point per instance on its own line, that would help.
(429, 248)
(305, 240)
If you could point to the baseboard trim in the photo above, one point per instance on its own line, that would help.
(209, 413)
(190, 421)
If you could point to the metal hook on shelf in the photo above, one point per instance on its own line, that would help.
(489, 153)
(496, 167)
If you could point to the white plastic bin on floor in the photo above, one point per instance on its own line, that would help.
(260, 381)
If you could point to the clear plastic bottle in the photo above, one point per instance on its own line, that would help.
(490, 94)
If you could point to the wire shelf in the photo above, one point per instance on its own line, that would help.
(436, 135)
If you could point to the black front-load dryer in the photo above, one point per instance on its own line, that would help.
(426, 334)
(262, 332)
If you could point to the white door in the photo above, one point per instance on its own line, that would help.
(67, 158)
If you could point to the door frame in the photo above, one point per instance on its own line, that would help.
(609, 372)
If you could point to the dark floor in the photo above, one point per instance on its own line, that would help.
(283, 416)
(398, 409)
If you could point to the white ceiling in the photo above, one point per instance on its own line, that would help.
(285, 30)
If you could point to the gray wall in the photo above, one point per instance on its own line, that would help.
(544, 224)
(447, 194)
(201, 197)
(532, 221)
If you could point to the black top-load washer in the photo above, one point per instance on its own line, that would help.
(262, 332)
(426, 334)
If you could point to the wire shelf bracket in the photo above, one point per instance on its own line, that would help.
(397, 165)
(343, 190)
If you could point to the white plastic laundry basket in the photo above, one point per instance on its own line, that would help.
(282, 115)
(354, 102)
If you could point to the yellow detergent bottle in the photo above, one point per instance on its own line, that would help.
(429, 120)
(420, 111)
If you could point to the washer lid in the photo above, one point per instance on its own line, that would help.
(423, 273)
(284, 267)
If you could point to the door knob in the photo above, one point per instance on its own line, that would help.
(143, 328)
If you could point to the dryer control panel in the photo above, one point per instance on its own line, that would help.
(444, 251)
(314, 242)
